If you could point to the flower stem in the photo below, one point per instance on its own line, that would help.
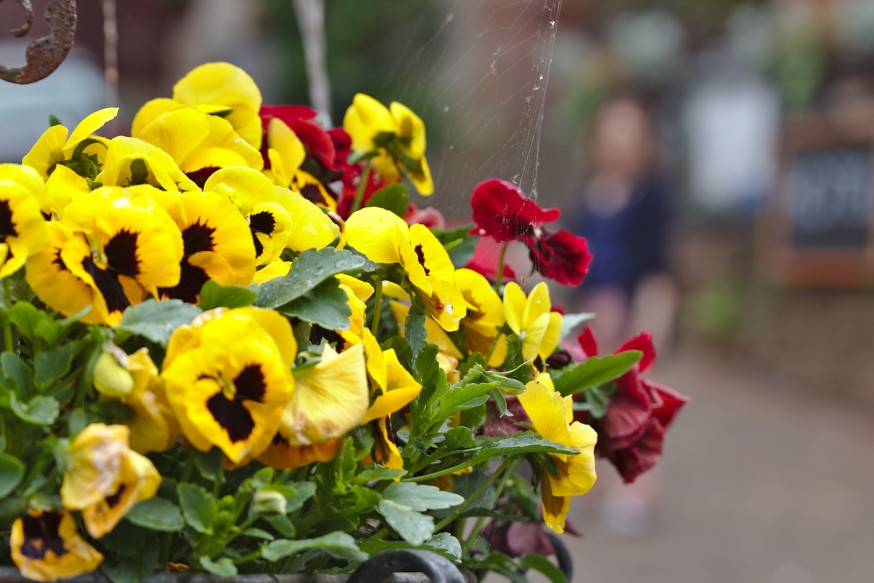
(472, 498)
(500, 274)
(362, 186)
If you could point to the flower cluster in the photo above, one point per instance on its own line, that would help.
(232, 338)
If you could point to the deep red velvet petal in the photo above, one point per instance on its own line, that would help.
(587, 342)
(643, 343)
(500, 210)
(666, 402)
(562, 256)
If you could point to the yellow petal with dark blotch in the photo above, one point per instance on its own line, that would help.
(277, 326)
(161, 170)
(410, 126)
(66, 290)
(378, 234)
(431, 253)
(271, 226)
(312, 189)
(226, 85)
(422, 180)
(514, 306)
(47, 151)
(149, 112)
(46, 546)
(231, 389)
(385, 450)
(416, 272)
(282, 456)
(22, 226)
(329, 399)
(94, 465)
(366, 118)
(311, 228)
(139, 481)
(89, 125)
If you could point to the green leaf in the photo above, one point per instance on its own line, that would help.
(11, 472)
(447, 543)
(412, 526)
(223, 567)
(26, 317)
(378, 474)
(461, 397)
(324, 306)
(594, 371)
(420, 497)
(53, 364)
(156, 320)
(198, 506)
(156, 514)
(394, 197)
(209, 464)
(311, 268)
(16, 369)
(414, 327)
(214, 295)
(543, 565)
(41, 410)
(337, 544)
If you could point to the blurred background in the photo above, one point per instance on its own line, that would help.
(726, 142)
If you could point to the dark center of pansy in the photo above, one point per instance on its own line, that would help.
(229, 410)
(312, 193)
(121, 253)
(195, 238)
(199, 177)
(113, 499)
(108, 284)
(7, 227)
(41, 535)
(420, 253)
(261, 223)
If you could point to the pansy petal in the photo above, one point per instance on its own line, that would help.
(378, 234)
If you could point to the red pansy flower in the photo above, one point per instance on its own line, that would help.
(485, 261)
(640, 411)
(501, 211)
(562, 256)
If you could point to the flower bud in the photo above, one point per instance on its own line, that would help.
(268, 501)
(110, 377)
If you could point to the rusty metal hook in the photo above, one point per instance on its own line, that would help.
(44, 54)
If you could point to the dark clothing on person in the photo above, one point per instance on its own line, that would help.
(629, 244)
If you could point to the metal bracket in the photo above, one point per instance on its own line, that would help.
(44, 54)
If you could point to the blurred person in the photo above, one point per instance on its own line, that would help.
(625, 216)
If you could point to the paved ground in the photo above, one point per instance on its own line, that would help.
(762, 482)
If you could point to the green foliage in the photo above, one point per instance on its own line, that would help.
(156, 320)
(594, 371)
(394, 197)
(213, 295)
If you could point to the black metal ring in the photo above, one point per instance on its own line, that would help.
(565, 560)
(436, 568)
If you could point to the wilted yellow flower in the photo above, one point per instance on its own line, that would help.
(22, 227)
(104, 478)
(228, 380)
(552, 417)
(532, 320)
(131, 162)
(46, 546)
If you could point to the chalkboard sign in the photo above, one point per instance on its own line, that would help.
(820, 230)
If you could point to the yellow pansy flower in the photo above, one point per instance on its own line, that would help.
(46, 546)
(286, 154)
(217, 243)
(130, 162)
(255, 197)
(531, 318)
(396, 133)
(57, 144)
(194, 139)
(227, 379)
(225, 89)
(383, 237)
(22, 227)
(104, 478)
(112, 248)
(551, 416)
